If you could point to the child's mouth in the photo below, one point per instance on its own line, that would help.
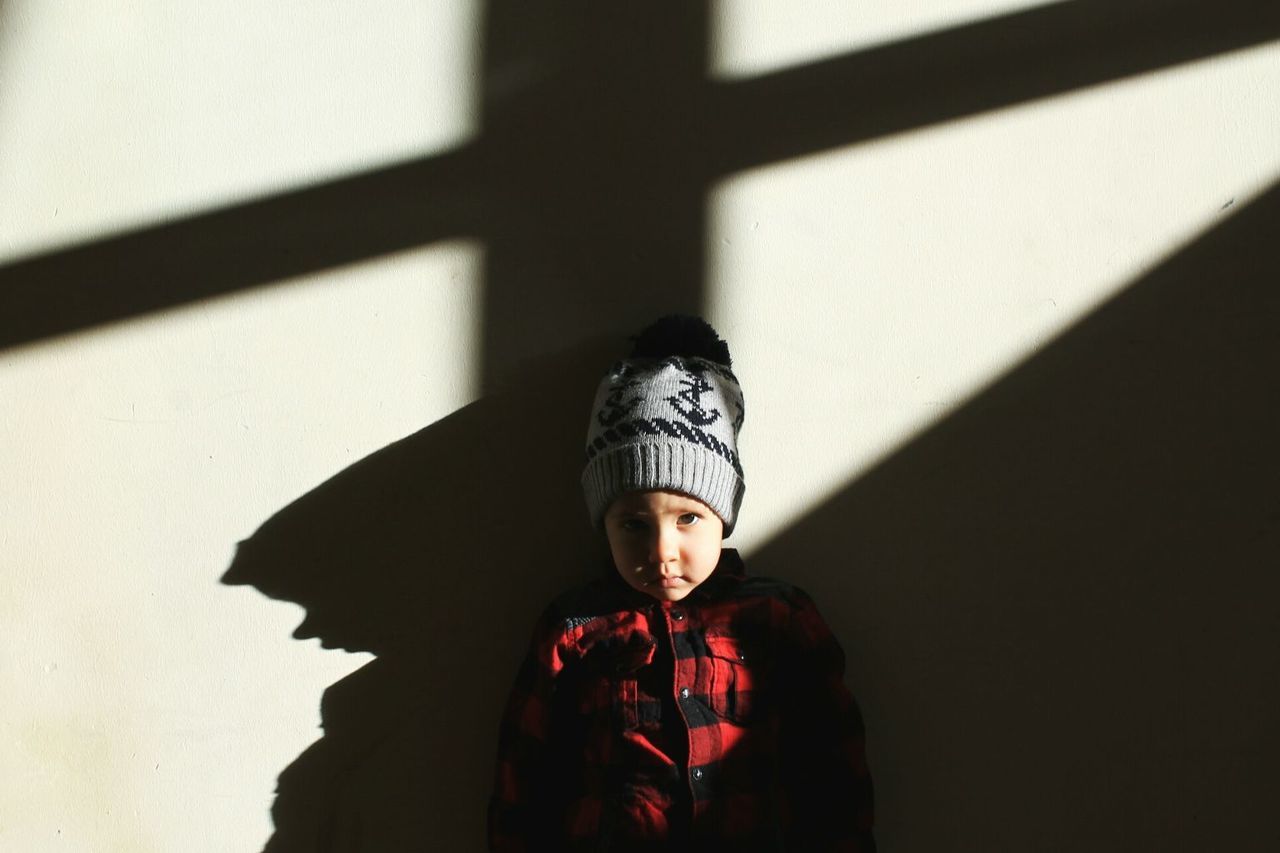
(665, 583)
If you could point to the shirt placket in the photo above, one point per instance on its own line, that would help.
(684, 676)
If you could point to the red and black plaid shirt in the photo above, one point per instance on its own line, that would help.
(718, 722)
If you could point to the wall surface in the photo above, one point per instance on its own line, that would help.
(301, 309)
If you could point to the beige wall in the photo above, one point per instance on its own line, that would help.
(1006, 376)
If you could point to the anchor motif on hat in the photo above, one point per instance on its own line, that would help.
(615, 408)
(689, 401)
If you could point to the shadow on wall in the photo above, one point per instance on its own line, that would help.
(423, 553)
(1055, 602)
(1059, 604)
(600, 136)
(1062, 603)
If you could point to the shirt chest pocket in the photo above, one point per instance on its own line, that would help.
(610, 682)
(740, 676)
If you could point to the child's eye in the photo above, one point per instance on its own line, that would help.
(633, 525)
(689, 518)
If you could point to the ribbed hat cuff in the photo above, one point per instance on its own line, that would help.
(676, 466)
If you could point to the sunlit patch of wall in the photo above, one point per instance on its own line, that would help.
(150, 707)
(938, 260)
(117, 115)
(750, 37)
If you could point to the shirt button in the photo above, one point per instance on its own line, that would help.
(697, 772)
(677, 615)
(684, 692)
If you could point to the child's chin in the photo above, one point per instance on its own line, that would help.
(672, 594)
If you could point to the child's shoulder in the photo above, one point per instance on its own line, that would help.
(734, 583)
(761, 586)
(587, 601)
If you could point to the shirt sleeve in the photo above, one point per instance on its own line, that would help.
(516, 818)
(821, 743)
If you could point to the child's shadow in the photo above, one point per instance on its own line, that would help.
(435, 554)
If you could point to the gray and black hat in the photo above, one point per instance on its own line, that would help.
(667, 417)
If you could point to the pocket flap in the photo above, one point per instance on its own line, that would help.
(727, 647)
(618, 653)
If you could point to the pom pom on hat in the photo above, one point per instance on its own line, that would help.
(677, 334)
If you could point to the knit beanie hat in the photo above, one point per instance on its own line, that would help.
(667, 417)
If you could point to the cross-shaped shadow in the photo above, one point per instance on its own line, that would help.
(601, 137)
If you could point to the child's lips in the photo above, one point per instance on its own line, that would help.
(665, 583)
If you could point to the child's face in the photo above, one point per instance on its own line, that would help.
(664, 543)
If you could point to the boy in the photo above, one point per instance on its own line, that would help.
(677, 703)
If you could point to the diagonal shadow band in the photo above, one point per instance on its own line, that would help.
(971, 69)
(1061, 603)
(564, 152)
(234, 248)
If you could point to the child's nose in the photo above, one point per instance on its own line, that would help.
(662, 547)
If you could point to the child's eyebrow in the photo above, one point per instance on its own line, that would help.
(622, 509)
